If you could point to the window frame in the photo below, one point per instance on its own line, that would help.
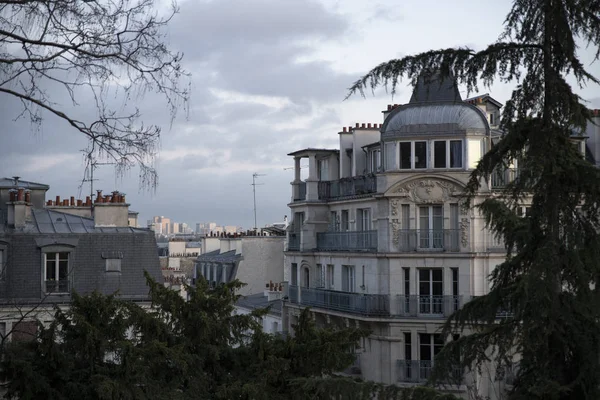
(57, 279)
(412, 155)
(363, 219)
(348, 279)
(3, 260)
(448, 155)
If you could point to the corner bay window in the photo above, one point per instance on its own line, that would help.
(413, 155)
(56, 272)
(447, 154)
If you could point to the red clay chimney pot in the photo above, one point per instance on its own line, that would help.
(20, 194)
(72, 201)
(28, 197)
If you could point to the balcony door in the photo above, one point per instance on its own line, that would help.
(429, 346)
(431, 227)
(431, 286)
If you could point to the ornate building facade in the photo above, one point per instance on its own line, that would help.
(380, 236)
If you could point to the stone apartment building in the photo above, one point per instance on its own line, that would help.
(50, 248)
(380, 239)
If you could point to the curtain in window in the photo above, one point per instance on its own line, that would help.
(390, 156)
(455, 154)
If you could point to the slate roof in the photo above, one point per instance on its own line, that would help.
(44, 221)
(259, 300)
(432, 88)
(7, 183)
(193, 244)
(217, 256)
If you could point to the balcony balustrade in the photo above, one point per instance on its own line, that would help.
(419, 371)
(353, 186)
(429, 240)
(352, 303)
(293, 241)
(347, 241)
(500, 178)
(429, 305)
(60, 286)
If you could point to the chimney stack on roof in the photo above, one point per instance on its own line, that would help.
(19, 207)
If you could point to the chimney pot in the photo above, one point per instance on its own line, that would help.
(389, 107)
(368, 125)
(13, 195)
(20, 194)
(79, 202)
(344, 129)
(66, 203)
(357, 125)
(49, 203)
(28, 196)
(363, 125)
(72, 201)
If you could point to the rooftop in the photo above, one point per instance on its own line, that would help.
(312, 150)
(259, 300)
(8, 183)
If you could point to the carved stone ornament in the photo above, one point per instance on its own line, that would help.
(396, 233)
(428, 191)
(464, 232)
(394, 207)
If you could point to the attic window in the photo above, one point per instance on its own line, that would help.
(112, 260)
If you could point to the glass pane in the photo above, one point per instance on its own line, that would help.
(436, 275)
(420, 154)
(437, 288)
(454, 216)
(438, 217)
(63, 269)
(50, 268)
(439, 154)
(424, 275)
(63, 256)
(456, 154)
(405, 216)
(390, 156)
(425, 346)
(405, 153)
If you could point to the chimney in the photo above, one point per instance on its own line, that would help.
(369, 126)
(111, 211)
(19, 208)
(363, 125)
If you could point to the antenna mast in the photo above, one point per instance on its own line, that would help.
(254, 184)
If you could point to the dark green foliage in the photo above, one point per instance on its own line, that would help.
(106, 348)
(550, 280)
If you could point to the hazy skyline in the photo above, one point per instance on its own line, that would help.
(268, 77)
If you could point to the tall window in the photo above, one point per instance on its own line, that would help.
(345, 221)
(390, 156)
(330, 275)
(376, 160)
(431, 284)
(334, 222)
(1, 264)
(363, 219)
(56, 272)
(320, 276)
(455, 288)
(408, 355)
(323, 169)
(413, 155)
(447, 154)
(429, 346)
(294, 274)
(348, 278)
(406, 290)
(306, 277)
(431, 227)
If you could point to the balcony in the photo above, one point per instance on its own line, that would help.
(419, 371)
(429, 240)
(501, 178)
(293, 241)
(56, 287)
(353, 303)
(429, 305)
(347, 241)
(299, 191)
(345, 187)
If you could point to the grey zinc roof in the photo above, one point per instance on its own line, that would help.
(49, 221)
(433, 88)
(259, 300)
(10, 183)
(193, 244)
(217, 256)
(434, 117)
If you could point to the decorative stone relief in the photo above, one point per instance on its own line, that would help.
(464, 232)
(428, 191)
(396, 233)
(394, 207)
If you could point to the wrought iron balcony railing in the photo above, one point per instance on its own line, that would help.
(429, 305)
(344, 241)
(418, 371)
(500, 178)
(352, 303)
(429, 240)
(344, 187)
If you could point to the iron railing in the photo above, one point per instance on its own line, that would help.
(353, 303)
(495, 243)
(54, 286)
(500, 178)
(429, 305)
(344, 187)
(293, 241)
(429, 239)
(418, 371)
(300, 195)
(344, 241)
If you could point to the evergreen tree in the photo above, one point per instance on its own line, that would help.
(550, 276)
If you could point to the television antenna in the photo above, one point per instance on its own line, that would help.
(254, 185)
(91, 167)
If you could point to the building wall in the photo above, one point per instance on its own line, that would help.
(262, 261)
(271, 323)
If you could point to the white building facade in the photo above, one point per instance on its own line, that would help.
(380, 237)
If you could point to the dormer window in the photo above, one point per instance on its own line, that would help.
(413, 155)
(56, 272)
(447, 154)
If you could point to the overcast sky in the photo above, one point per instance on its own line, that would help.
(268, 77)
